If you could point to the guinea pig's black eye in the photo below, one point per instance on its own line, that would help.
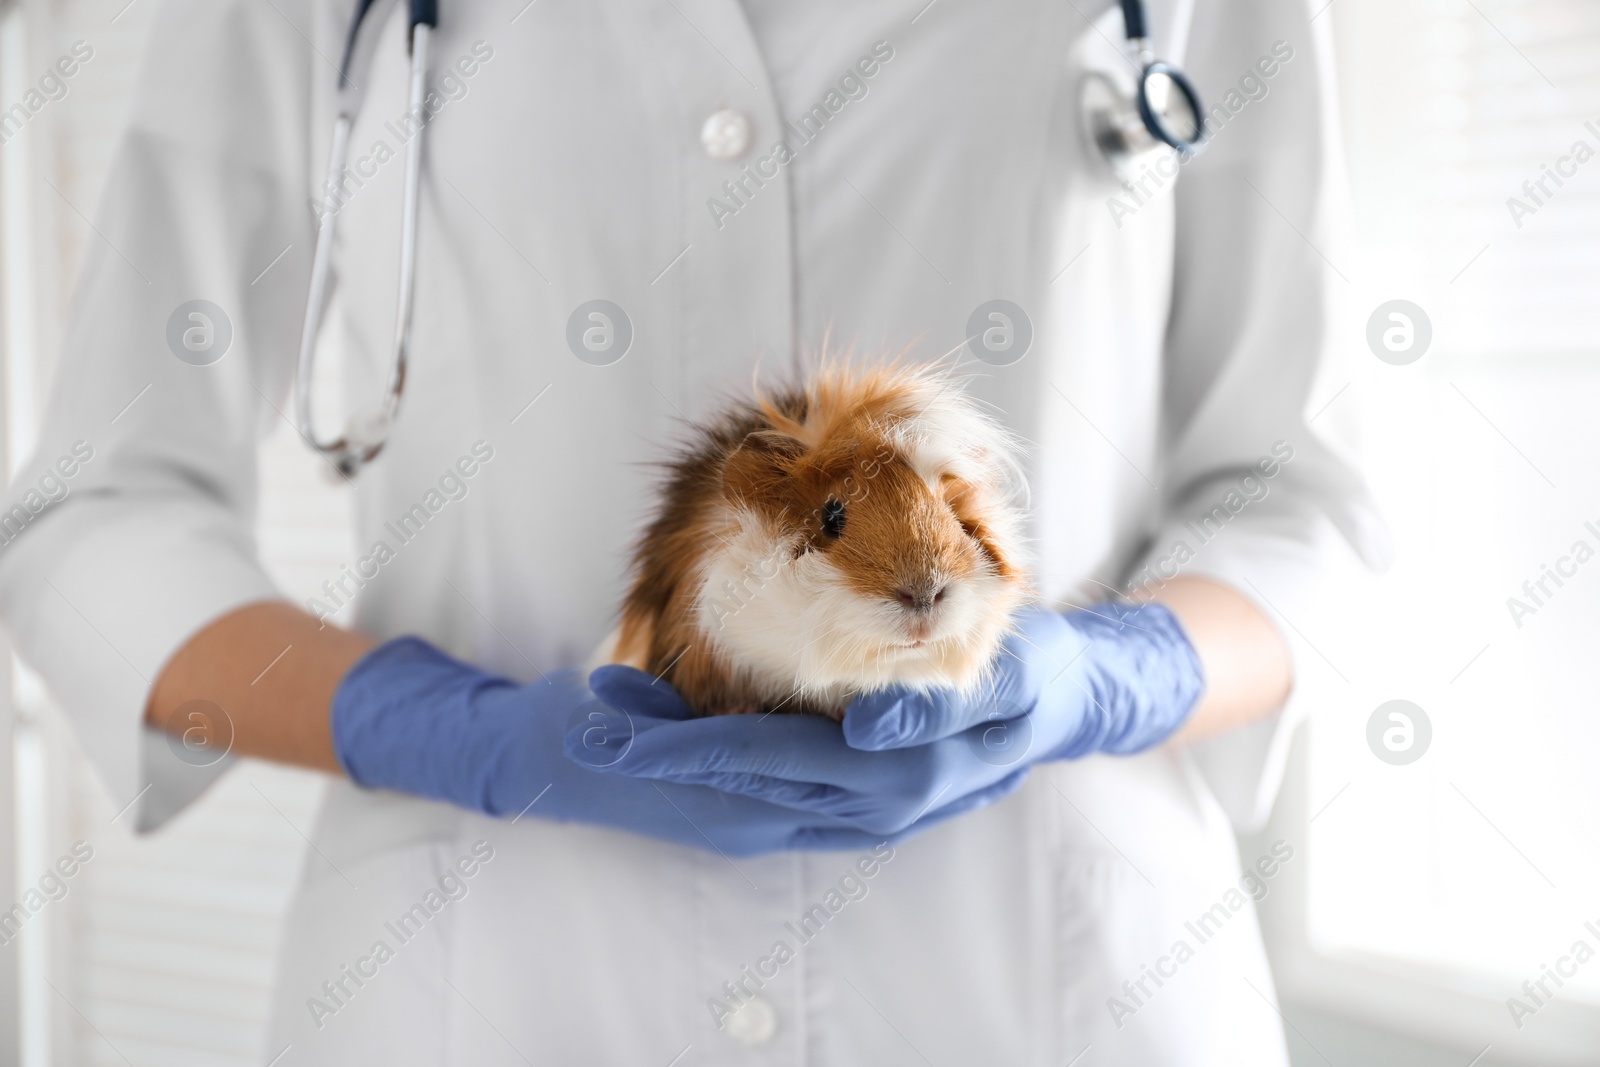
(833, 518)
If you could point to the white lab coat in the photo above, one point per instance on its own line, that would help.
(1174, 345)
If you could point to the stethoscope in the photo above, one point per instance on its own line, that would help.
(1161, 112)
(365, 434)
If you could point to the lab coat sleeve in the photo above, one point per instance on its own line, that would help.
(107, 570)
(1246, 343)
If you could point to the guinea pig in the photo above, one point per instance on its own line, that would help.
(857, 531)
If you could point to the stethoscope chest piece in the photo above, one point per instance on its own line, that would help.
(1113, 127)
(1134, 119)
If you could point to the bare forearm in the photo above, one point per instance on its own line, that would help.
(273, 670)
(1247, 664)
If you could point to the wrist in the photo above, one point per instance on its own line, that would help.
(1141, 677)
(408, 717)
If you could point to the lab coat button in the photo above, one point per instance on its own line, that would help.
(726, 134)
(752, 1023)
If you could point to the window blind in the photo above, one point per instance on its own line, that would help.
(1482, 122)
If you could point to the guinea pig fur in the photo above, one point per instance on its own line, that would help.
(856, 532)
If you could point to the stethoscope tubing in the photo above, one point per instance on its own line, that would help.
(362, 440)
(360, 444)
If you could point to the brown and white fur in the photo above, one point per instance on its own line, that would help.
(856, 532)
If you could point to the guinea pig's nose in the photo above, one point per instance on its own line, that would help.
(920, 599)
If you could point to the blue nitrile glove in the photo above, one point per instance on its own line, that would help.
(408, 717)
(1115, 678)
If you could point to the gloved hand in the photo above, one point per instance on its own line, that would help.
(410, 718)
(1116, 678)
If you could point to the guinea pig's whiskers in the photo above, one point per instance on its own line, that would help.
(1064, 667)
(1116, 594)
(774, 709)
(1119, 622)
(807, 646)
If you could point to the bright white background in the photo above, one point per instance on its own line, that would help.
(1434, 890)
(1429, 892)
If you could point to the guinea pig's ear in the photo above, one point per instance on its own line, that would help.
(759, 466)
(772, 443)
(972, 509)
